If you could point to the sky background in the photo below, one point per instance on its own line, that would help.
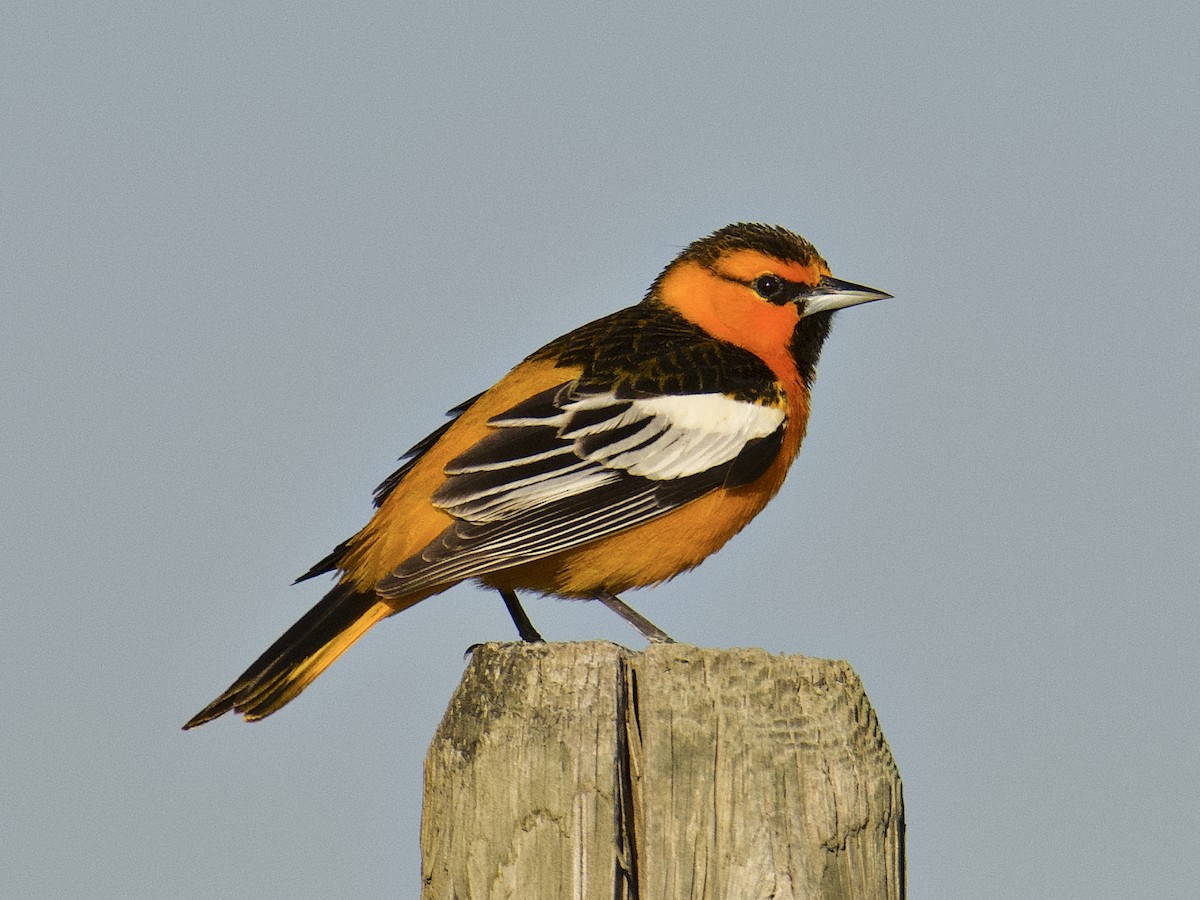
(251, 252)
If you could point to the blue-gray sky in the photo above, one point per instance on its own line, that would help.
(251, 252)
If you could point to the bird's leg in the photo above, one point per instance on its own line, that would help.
(525, 628)
(648, 629)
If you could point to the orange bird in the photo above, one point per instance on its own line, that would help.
(615, 457)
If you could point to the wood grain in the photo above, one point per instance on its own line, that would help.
(590, 771)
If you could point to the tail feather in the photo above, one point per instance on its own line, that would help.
(303, 652)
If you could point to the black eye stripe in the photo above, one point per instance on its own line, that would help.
(786, 291)
(776, 289)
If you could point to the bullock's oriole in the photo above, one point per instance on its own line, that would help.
(617, 456)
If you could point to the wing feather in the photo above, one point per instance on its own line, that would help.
(568, 467)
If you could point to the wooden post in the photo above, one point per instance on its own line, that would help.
(589, 771)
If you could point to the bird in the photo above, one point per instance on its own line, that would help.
(617, 456)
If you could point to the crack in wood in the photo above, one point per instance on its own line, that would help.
(628, 730)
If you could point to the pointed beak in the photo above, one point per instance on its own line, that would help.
(833, 293)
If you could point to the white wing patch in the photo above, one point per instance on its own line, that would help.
(581, 443)
(682, 435)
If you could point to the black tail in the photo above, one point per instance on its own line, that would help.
(305, 650)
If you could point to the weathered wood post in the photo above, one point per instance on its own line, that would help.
(586, 770)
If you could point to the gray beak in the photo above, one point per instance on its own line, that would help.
(833, 293)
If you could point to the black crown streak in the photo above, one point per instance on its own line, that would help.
(769, 239)
(651, 349)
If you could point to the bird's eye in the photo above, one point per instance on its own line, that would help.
(768, 286)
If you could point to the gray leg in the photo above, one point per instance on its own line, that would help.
(648, 629)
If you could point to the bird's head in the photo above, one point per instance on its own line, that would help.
(761, 287)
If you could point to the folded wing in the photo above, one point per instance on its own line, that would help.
(569, 466)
